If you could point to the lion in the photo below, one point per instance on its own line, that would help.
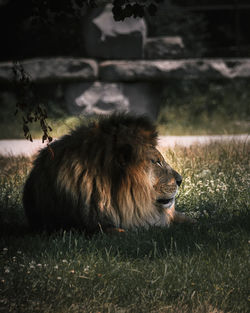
(105, 176)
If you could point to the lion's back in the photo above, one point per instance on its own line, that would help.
(46, 205)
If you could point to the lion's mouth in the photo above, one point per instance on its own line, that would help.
(164, 201)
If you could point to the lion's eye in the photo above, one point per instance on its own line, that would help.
(157, 162)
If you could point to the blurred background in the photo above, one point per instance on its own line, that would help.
(186, 64)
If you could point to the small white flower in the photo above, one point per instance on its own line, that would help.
(59, 278)
(39, 265)
(6, 270)
(56, 267)
(86, 269)
(64, 261)
(205, 173)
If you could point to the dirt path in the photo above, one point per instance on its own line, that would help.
(17, 147)
(186, 141)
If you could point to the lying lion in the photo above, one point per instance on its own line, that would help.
(107, 176)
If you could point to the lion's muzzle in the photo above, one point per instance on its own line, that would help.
(166, 203)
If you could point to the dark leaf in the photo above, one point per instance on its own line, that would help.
(128, 11)
(25, 129)
(30, 118)
(44, 138)
(138, 10)
(42, 123)
(24, 120)
(118, 13)
(152, 9)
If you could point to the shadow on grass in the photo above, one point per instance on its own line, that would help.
(179, 239)
(206, 234)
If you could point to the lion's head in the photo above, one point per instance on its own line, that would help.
(107, 174)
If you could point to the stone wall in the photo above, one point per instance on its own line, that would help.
(124, 71)
(88, 87)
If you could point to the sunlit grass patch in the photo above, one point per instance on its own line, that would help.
(186, 268)
(193, 107)
(214, 176)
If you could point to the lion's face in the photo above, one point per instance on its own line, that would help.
(166, 180)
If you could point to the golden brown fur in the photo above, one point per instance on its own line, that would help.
(107, 175)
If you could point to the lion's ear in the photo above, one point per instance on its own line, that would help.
(148, 136)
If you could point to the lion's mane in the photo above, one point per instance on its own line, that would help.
(96, 177)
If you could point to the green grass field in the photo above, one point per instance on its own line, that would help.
(205, 107)
(199, 268)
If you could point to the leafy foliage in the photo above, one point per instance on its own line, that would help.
(125, 8)
(121, 8)
(32, 110)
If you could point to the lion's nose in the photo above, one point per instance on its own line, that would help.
(179, 180)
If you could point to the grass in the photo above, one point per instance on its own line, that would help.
(198, 268)
(205, 108)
